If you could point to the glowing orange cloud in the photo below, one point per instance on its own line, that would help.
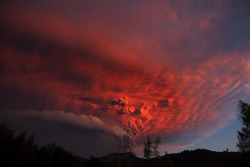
(157, 70)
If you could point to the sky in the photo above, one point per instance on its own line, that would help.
(98, 77)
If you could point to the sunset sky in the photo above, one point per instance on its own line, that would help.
(98, 76)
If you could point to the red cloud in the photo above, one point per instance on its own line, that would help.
(168, 76)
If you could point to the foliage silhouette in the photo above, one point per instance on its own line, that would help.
(148, 148)
(156, 144)
(23, 152)
(151, 148)
(244, 135)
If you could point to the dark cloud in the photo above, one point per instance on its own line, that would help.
(118, 102)
(83, 135)
(163, 103)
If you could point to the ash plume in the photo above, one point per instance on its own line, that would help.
(132, 127)
(121, 110)
(174, 69)
(129, 123)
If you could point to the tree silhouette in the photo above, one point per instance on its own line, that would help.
(244, 135)
(148, 148)
(157, 142)
(151, 148)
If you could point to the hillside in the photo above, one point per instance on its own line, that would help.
(22, 151)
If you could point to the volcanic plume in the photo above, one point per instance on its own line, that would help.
(103, 75)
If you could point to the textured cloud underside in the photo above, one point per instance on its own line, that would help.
(173, 69)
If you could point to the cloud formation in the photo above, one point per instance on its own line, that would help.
(167, 68)
(82, 134)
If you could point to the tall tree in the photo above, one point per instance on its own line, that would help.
(151, 147)
(148, 148)
(156, 144)
(244, 135)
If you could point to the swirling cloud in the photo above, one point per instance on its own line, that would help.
(166, 68)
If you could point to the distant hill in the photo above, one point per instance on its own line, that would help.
(122, 156)
(203, 157)
(22, 151)
(194, 158)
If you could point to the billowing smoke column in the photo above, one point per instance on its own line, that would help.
(121, 112)
(129, 123)
(168, 68)
(132, 127)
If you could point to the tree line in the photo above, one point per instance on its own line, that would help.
(21, 151)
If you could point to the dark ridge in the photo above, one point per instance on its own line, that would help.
(21, 151)
(121, 156)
